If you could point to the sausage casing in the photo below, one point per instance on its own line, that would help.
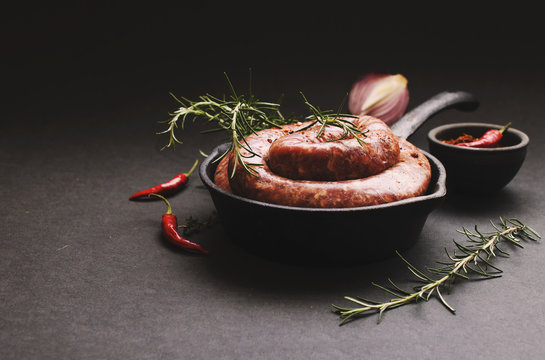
(383, 170)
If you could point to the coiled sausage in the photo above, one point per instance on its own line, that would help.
(299, 169)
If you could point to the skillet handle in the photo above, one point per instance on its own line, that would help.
(412, 120)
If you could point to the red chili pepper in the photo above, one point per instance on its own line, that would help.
(169, 225)
(490, 139)
(168, 188)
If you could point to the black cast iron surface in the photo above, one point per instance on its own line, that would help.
(303, 236)
(85, 274)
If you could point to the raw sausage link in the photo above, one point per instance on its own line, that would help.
(408, 177)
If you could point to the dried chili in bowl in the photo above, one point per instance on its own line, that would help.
(490, 139)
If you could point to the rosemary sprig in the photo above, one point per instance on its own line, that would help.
(327, 118)
(471, 258)
(239, 115)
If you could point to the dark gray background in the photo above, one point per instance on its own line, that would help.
(85, 274)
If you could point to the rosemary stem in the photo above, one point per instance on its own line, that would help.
(434, 285)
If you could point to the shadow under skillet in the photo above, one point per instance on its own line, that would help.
(231, 266)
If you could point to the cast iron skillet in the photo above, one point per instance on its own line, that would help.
(339, 236)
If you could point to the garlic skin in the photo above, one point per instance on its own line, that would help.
(380, 95)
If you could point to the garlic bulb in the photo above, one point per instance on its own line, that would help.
(380, 95)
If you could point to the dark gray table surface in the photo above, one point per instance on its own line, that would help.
(85, 274)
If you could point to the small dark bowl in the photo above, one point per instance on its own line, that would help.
(478, 170)
(323, 237)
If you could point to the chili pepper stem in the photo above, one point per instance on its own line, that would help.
(169, 208)
(195, 166)
(504, 128)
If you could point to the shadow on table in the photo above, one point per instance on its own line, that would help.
(229, 264)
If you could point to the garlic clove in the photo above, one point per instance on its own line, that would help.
(381, 95)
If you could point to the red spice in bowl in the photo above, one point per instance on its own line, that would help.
(478, 169)
(465, 138)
